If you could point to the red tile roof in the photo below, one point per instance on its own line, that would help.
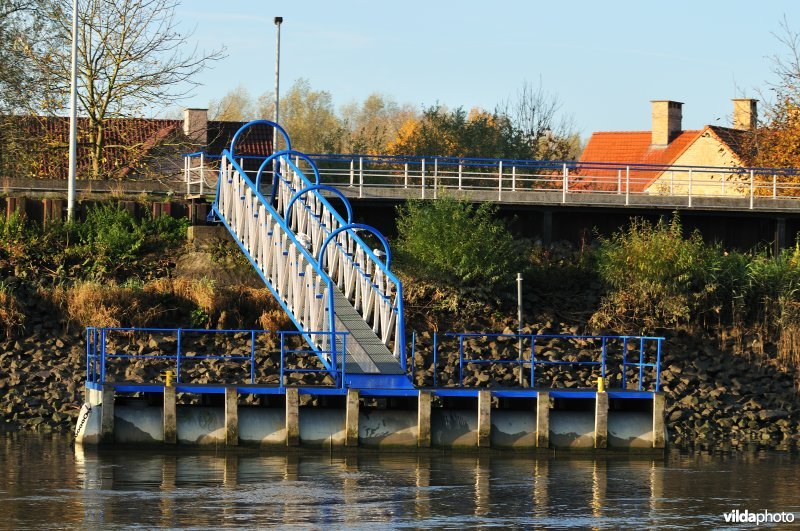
(129, 141)
(633, 148)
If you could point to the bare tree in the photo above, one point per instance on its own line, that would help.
(132, 57)
(235, 106)
(534, 115)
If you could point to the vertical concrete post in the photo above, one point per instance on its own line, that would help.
(231, 416)
(424, 419)
(601, 420)
(170, 416)
(543, 419)
(351, 418)
(107, 415)
(659, 403)
(292, 417)
(484, 418)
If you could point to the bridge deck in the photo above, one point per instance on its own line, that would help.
(366, 354)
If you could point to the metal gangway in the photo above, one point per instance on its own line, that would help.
(315, 263)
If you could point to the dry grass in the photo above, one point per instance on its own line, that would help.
(108, 305)
(11, 317)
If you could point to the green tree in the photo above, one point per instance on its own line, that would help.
(235, 106)
(308, 116)
(373, 123)
(454, 242)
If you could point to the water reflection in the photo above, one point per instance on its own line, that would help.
(44, 481)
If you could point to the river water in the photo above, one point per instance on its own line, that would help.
(47, 483)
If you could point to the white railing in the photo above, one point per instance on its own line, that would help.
(508, 180)
(357, 271)
(287, 267)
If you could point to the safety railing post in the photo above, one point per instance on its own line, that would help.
(641, 361)
(283, 353)
(774, 186)
(413, 354)
(252, 356)
(671, 183)
(187, 175)
(422, 172)
(202, 172)
(690, 187)
(344, 359)
(752, 188)
(360, 177)
(435, 356)
(436, 177)
(627, 185)
(603, 360)
(658, 364)
(178, 358)
(461, 361)
(405, 175)
(500, 181)
(564, 184)
(533, 361)
(460, 167)
(619, 182)
(352, 172)
(722, 182)
(103, 356)
(624, 363)
(513, 178)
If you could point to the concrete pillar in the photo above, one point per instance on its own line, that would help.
(424, 419)
(107, 415)
(170, 416)
(292, 417)
(659, 403)
(601, 420)
(780, 236)
(231, 416)
(351, 418)
(543, 419)
(484, 418)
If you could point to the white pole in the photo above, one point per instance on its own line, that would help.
(278, 21)
(73, 116)
(519, 329)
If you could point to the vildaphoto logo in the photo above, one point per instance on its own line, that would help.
(760, 517)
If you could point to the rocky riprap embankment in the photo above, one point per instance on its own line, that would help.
(714, 398)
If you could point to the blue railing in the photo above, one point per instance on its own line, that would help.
(98, 353)
(611, 355)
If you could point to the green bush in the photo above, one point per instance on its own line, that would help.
(111, 233)
(656, 278)
(458, 244)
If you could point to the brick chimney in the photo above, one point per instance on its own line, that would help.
(745, 114)
(195, 125)
(667, 116)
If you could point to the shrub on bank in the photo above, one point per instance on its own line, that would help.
(458, 244)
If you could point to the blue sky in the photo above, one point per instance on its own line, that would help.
(604, 60)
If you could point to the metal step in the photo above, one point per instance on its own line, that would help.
(366, 354)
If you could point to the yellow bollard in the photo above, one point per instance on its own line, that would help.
(168, 378)
(601, 385)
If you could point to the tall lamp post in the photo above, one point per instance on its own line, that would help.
(73, 116)
(278, 21)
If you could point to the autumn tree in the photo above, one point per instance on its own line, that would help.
(132, 58)
(373, 123)
(777, 141)
(235, 106)
(309, 117)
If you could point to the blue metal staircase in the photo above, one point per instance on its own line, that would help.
(322, 273)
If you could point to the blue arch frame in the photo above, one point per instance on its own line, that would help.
(248, 125)
(281, 153)
(327, 188)
(356, 226)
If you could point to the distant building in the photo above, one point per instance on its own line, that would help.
(660, 157)
(134, 147)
